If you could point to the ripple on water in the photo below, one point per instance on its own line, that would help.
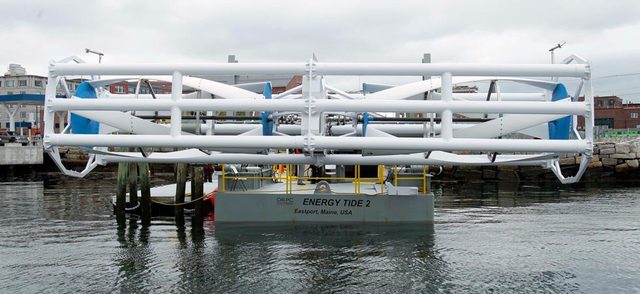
(486, 238)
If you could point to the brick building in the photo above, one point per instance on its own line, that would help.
(610, 111)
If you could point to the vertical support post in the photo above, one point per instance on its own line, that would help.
(446, 131)
(288, 180)
(121, 192)
(133, 184)
(290, 173)
(424, 179)
(589, 117)
(395, 176)
(357, 179)
(300, 168)
(381, 177)
(176, 95)
(224, 179)
(192, 184)
(50, 116)
(181, 179)
(145, 192)
(196, 193)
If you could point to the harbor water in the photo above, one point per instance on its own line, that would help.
(58, 235)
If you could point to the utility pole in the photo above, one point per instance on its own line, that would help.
(553, 55)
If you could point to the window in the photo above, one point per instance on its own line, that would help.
(634, 115)
(23, 114)
(22, 83)
(11, 83)
(0, 83)
(37, 83)
(604, 122)
(600, 103)
(612, 102)
(23, 92)
(10, 93)
(119, 89)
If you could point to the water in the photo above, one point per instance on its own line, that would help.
(59, 236)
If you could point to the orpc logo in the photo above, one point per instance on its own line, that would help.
(284, 201)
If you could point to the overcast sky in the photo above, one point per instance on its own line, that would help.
(606, 32)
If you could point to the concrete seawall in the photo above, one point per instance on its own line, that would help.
(20, 155)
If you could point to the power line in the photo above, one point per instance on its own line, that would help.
(618, 75)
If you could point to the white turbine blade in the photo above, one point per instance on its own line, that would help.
(412, 89)
(126, 122)
(257, 87)
(219, 89)
(256, 131)
(107, 94)
(405, 91)
(102, 83)
(507, 124)
(182, 154)
(540, 131)
(372, 88)
(374, 132)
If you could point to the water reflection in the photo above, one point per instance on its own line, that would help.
(133, 257)
(487, 237)
(326, 257)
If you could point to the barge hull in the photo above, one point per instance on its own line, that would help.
(248, 207)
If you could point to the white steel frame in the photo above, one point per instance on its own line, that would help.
(312, 107)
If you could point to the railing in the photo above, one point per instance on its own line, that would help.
(286, 175)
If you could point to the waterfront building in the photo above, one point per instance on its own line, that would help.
(22, 96)
(612, 113)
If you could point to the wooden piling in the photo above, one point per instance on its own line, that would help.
(181, 179)
(121, 192)
(133, 184)
(197, 192)
(145, 191)
(192, 169)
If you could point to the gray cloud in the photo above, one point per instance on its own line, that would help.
(605, 32)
